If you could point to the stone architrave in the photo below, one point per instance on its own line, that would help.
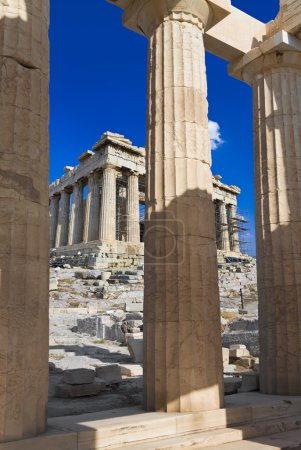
(107, 226)
(181, 312)
(234, 235)
(53, 215)
(24, 206)
(132, 209)
(76, 226)
(276, 81)
(91, 224)
(224, 230)
(63, 220)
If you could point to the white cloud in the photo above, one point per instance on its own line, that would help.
(215, 135)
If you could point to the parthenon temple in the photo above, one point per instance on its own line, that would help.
(182, 355)
(97, 208)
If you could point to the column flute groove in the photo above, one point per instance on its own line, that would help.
(276, 81)
(181, 321)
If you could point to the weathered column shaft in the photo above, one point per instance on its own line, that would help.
(91, 224)
(234, 235)
(63, 220)
(53, 214)
(132, 209)
(224, 229)
(76, 226)
(182, 319)
(277, 124)
(107, 226)
(24, 216)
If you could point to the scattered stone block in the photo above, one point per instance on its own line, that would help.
(105, 275)
(238, 351)
(250, 382)
(230, 368)
(53, 283)
(134, 307)
(226, 354)
(78, 376)
(131, 370)
(80, 390)
(109, 373)
(135, 346)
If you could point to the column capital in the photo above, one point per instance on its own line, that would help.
(129, 173)
(280, 51)
(144, 16)
(109, 166)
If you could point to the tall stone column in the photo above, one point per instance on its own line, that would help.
(63, 220)
(276, 81)
(132, 208)
(107, 226)
(224, 229)
(182, 317)
(24, 217)
(76, 226)
(91, 224)
(53, 214)
(234, 235)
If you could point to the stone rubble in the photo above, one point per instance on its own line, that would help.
(103, 336)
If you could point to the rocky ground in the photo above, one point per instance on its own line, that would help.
(92, 313)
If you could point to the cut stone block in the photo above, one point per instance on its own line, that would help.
(53, 283)
(78, 376)
(135, 346)
(230, 368)
(131, 370)
(226, 354)
(80, 390)
(134, 307)
(239, 353)
(110, 374)
(237, 347)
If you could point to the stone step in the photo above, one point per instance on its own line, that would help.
(243, 437)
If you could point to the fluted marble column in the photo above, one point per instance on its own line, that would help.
(224, 230)
(76, 226)
(234, 235)
(24, 217)
(91, 223)
(53, 215)
(276, 81)
(107, 225)
(63, 220)
(132, 208)
(182, 318)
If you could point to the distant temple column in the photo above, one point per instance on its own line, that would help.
(91, 224)
(107, 226)
(233, 226)
(276, 81)
(24, 213)
(53, 215)
(63, 220)
(224, 230)
(132, 208)
(76, 215)
(181, 312)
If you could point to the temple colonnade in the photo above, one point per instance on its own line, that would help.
(75, 219)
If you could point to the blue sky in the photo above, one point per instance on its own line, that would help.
(98, 83)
